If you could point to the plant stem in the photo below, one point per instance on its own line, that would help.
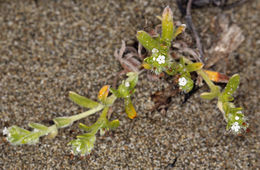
(87, 113)
(205, 77)
(51, 128)
(110, 101)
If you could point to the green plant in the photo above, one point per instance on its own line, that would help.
(158, 61)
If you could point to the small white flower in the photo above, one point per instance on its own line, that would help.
(161, 59)
(182, 81)
(235, 127)
(153, 58)
(127, 84)
(154, 50)
(237, 118)
(78, 149)
(5, 131)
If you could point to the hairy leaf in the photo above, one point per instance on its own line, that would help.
(147, 41)
(194, 67)
(82, 101)
(38, 126)
(232, 85)
(167, 26)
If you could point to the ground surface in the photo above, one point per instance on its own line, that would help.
(64, 46)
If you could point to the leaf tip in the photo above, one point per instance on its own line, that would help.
(167, 13)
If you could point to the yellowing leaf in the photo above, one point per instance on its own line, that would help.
(179, 30)
(146, 66)
(129, 108)
(216, 76)
(103, 93)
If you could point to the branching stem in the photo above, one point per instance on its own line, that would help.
(205, 77)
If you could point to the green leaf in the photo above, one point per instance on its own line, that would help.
(227, 97)
(86, 135)
(16, 134)
(83, 146)
(85, 127)
(194, 67)
(232, 85)
(62, 122)
(31, 138)
(112, 124)
(212, 94)
(38, 126)
(123, 90)
(82, 101)
(147, 41)
(132, 79)
(208, 96)
(167, 26)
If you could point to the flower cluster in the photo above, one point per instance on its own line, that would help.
(236, 121)
(159, 61)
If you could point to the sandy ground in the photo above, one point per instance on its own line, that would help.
(63, 46)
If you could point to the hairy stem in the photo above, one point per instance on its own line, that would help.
(87, 113)
(110, 101)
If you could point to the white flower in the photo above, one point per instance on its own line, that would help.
(161, 59)
(235, 127)
(5, 131)
(237, 118)
(78, 149)
(154, 50)
(127, 84)
(182, 81)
